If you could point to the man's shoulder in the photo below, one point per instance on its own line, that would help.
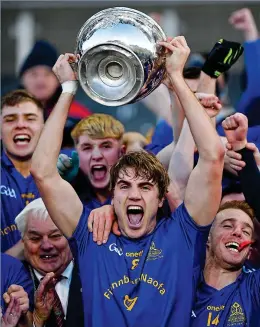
(8, 261)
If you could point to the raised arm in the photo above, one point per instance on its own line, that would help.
(182, 160)
(236, 128)
(61, 200)
(243, 20)
(203, 192)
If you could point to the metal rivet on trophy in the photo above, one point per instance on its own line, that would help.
(120, 61)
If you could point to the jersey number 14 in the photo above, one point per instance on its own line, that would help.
(213, 322)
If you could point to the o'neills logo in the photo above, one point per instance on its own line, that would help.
(144, 278)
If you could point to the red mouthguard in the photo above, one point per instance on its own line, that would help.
(244, 244)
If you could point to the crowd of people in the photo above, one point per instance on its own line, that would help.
(99, 227)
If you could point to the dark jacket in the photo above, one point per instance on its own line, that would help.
(75, 314)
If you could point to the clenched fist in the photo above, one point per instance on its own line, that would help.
(243, 20)
(62, 68)
(177, 54)
(235, 128)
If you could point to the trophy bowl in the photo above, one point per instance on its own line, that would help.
(120, 61)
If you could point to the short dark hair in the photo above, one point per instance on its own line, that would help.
(16, 97)
(191, 73)
(146, 166)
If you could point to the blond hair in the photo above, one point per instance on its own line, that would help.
(98, 126)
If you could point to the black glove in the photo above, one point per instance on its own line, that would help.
(223, 55)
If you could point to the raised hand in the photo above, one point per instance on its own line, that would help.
(12, 314)
(233, 162)
(101, 221)
(17, 292)
(210, 102)
(243, 20)
(62, 68)
(44, 300)
(222, 57)
(68, 167)
(178, 52)
(235, 128)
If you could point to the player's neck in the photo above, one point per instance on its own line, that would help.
(218, 277)
(23, 167)
(102, 195)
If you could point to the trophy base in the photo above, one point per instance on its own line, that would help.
(111, 74)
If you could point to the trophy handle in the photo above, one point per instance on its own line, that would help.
(74, 66)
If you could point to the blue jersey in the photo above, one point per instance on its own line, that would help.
(16, 192)
(236, 305)
(94, 203)
(14, 272)
(138, 282)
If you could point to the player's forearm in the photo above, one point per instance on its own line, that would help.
(182, 160)
(47, 151)
(206, 84)
(205, 136)
(178, 116)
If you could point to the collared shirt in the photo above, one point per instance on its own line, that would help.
(63, 286)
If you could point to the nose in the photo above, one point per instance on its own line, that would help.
(237, 232)
(96, 154)
(134, 194)
(46, 245)
(21, 123)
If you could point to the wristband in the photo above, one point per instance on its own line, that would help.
(70, 87)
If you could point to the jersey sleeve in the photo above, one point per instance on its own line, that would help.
(79, 240)
(195, 236)
(14, 273)
(254, 286)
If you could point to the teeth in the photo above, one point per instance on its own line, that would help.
(232, 243)
(47, 256)
(22, 137)
(135, 208)
(233, 250)
(98, 167)
(232, 246)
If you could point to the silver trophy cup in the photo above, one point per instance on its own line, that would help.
(120, 61)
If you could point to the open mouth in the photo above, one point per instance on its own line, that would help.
(22, 139)
(99, 171)
(135, 215)
(48, 257)
(232, 246)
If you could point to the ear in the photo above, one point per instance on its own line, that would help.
(161, 202)
(208, 240)
(122, 150)
(249, 253)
